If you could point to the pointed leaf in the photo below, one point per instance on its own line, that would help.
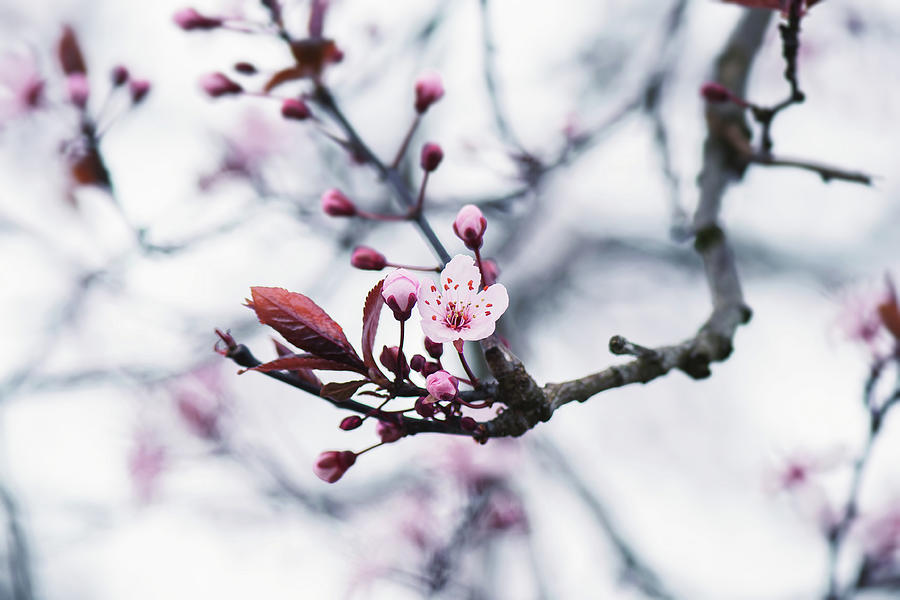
(304, 324)
(295, 362)
(304, 374)
(371, 315)
(283, 76)
(341, 392)
(70, 57)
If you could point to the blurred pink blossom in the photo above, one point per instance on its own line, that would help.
(146, 462)
(21, 86)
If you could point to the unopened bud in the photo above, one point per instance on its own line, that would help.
(351, 422)
(469, 226)
(388, 431)
(434, 349)
(490, 271)
(78, 89)
(293, 108)
(424, 408)
(336, 204)
(139, 89)
(468, 423)
(715, 93)
(442, 386)
(400, 291)
(119, 75)
(429, 89)
(245, 68)
(429, 368)
(331, 465)
(367, 259)
(432, 155)
(394, 362)
(417, 362)
(189, 19)
(217, 84)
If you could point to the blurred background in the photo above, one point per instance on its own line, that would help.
(135, 463)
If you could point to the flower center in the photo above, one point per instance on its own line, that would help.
(457, 317)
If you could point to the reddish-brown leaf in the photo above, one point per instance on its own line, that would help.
(341, 392)
(314, 54)
(890, 316)
(303, 323)
(70, 57)
(304, 374)
(299, 361)
(371, 315)
(87, 168)
(283, 76)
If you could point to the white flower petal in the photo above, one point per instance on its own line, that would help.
(437, 331)
(478, 329)
(459, 279)
(493, 302)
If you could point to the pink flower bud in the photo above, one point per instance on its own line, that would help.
(293, 108)
(139, 89)
(469, 226)
(394, 362)
(468, 423)
(119, 75)
(336, 204)
(434, 349)
(245, 68)
(432, 155)
(189, 19)
(78, 89)
(351, 422)
(423, 408)
(400, 290)
(389, 432)
(367, 259)
(217, 84)
(429, 89)
(442, 386)
(417, 362)
(490, 271)
(715, 93)
(331, 465)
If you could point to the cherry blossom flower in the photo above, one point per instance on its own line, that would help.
(146, 462)
(21, 87)
(458, 309)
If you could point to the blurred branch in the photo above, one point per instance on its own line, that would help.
(635, 570)
(490, 78)
(828, 173)
(837, 534)
(17, 548)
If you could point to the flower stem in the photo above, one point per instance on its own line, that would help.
(480, 268)
(416, 210)
(465, 365)
(372, 447)
(401, 361)
(405, 144)
(413, 267)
